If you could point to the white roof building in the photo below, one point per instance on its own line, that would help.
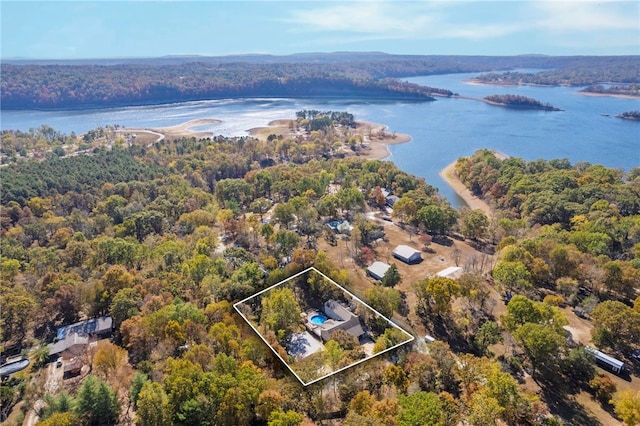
(377, 270)
(453, 272)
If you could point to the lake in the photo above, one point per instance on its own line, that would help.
(441, 131)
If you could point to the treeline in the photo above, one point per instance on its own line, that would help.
(519, 101)
(574, 72)
(37, 140)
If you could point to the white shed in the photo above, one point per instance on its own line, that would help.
(377, 270)
(453, 272)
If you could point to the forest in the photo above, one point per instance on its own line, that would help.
(170, 235)
(93, 86)
(106, 83)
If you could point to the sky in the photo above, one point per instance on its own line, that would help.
(123, 29)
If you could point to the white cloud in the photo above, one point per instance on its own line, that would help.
(360, 17)
(375, 20)
(565, 16)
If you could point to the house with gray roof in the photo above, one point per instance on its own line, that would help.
(338, 318)
(76, 337)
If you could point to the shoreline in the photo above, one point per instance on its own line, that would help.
(175, 131)
(448, 174)
(604, 95)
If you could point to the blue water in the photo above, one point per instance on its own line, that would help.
(318, 319)
(441, 131)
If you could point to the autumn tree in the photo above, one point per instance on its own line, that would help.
(488, 334)
(542, 345)
(384, 300)
(512, 276)
(616, 325)
(603, 388)
(286, 241)
(405, 209)
(475, 224)
(437, 219)
(627, 406)
(124, 305)
(16, 315)
(521, 310)
(285, 418)
(390, 338)
(484, 409)
(435, 294)
(152, 406)
(280, 311)
(419, 409)
(108, 358)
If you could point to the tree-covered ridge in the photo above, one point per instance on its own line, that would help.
(64, 86)
(519, 101)
(151, 81)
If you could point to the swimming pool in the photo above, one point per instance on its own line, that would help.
(318, 319)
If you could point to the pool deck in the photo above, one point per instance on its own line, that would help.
(303, 344)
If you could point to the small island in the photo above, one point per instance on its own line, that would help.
(518, 101)
(630, 115)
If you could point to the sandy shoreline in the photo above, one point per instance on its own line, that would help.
(603, 95)
(448, 174)
(184, 129)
